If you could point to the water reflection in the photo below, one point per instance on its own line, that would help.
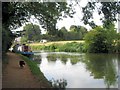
(61, 83)
(63, 58)
(119, 72)
(81, 70)
(102, 67)
(37, 58)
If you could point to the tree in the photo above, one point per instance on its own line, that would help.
(77, 32)
(101, 40)
(32, 32)
(108, 9)
(63, 33)
(16, 13)
(23, 40)
(73, 28)
(96, 41)
(48, 14)
(7, 39)
(83, 30)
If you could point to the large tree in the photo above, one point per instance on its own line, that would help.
(108, 10)
(101, 40)
(14, 14)
(63, 33)
(32, 32)
(77, 32)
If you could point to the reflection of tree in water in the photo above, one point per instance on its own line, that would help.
(64, 58)
(60, 83)
(102, 67)
(119, 72)
(51, 57)
(37, 58)
(74, 60)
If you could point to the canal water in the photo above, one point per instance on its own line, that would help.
(79, 70)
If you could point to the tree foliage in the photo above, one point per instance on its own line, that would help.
(7, 39)
(75, 33)
(101, 40)
(63, 33)
(96, 41)
(32, 32)
(108, 9)
(14, 14)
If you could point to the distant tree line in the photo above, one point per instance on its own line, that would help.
(74, 33)
(33, 33)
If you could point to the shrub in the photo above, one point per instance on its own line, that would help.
(100, 40)
(67, 47)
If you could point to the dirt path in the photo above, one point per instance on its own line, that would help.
(14, 77)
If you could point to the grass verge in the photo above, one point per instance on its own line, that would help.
(66, 47)
(36, 71)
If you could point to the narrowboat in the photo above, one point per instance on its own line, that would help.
(23, 49)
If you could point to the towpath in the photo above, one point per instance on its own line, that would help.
(14, 77)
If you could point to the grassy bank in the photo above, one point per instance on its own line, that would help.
(55, 42)
(36, 71)
(65, 46)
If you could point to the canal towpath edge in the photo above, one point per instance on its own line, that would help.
(15, 77)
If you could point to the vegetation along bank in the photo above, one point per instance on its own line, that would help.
(60, 47)
(36, 70)
(98, 40)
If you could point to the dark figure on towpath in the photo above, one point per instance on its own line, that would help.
(21, 64)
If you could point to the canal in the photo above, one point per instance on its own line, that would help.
(79, 70)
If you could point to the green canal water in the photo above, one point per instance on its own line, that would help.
(80, 70)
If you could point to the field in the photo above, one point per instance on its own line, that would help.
(55, 42)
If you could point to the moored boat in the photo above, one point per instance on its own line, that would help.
(23, 49)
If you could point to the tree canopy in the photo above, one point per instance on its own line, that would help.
(16, 13)
(102, 40)
(74, 33)
(32, 32)
(108, 9)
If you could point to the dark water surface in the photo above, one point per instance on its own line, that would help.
(79, 70)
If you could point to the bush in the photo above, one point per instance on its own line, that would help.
(7, 39)
(68, 47)
(100, 40)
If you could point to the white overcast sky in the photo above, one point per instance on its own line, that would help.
(76, 20)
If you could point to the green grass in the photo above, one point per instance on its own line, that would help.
(35, 70)
(67, 46)
(56, 42)
(37, 47)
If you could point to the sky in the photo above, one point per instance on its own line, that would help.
(76, 20)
